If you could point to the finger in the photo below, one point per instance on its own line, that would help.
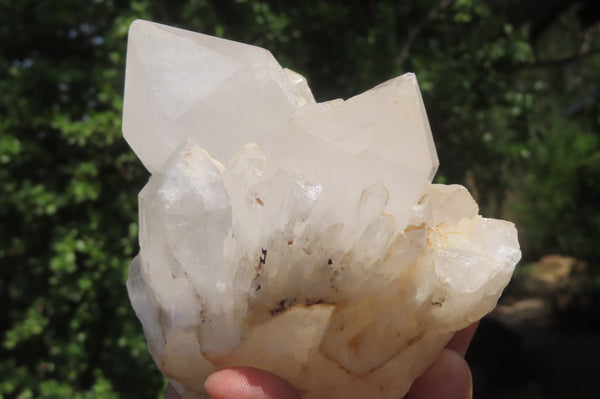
(461, 340)
(171, 393)
(248, 383)
(448, 377)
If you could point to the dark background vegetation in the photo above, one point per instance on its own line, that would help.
(512, 89)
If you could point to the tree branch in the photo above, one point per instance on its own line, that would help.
(557, 62)
(417, 29)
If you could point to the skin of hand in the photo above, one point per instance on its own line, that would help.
(448, 377)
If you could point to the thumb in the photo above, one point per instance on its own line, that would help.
(248, 383)
(448, 377)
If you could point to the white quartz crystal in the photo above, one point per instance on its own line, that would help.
(298, 237)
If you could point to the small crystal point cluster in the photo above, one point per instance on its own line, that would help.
(298, 237)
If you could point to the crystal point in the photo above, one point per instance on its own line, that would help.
(298, 237)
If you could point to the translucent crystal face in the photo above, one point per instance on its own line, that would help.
(302, 238)
(182, 85)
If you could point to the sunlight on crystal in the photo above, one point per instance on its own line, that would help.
(301, 238)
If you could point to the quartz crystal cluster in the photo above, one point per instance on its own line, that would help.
(298, 237)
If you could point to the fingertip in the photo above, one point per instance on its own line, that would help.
(171, 392)
(248, 383)
(448, 377)
(462, 339)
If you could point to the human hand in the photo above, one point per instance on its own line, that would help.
(448, 377)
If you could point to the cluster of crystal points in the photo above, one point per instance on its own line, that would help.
(321, 251)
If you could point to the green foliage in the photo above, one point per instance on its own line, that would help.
(557, 195)
(514, 117)
(67, 205)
